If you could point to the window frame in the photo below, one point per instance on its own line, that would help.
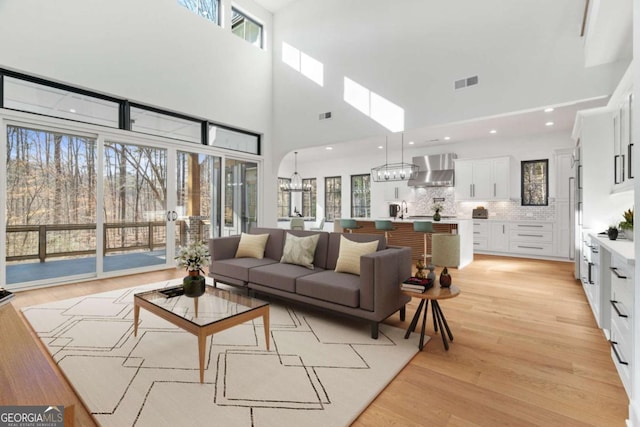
(336, 209)
(283, 196)
(309, 198)
(524, 182)
(355, 207)
(246, 18)
(198, 11)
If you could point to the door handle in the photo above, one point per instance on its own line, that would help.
(174, 215)
(614, 270)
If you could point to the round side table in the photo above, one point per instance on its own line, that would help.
(434, 294)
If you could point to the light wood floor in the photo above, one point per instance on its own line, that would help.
(527, 352)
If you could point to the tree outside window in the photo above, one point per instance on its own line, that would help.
(535, 182)
(333, 197)
(309, 198)
(361, 196)
(284, 199)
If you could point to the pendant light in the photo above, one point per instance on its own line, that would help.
(295, 185)
(394, 171)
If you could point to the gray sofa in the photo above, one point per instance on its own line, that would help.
(373, 296)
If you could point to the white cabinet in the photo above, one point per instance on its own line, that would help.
(622, 314)
(483, 179)
(531, 238)
(480, 235)
(396, 191)
(499, 238)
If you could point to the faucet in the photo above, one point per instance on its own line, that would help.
(403, 209)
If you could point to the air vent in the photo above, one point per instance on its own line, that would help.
(324, 116)
(462, 83)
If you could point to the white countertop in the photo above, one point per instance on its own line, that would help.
(412, 220)
(624, 248)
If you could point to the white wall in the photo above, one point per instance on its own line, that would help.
(411, 52)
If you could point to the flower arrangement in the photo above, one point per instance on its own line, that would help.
(437, 207)
(193, 256)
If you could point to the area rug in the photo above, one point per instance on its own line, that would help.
(321, 370)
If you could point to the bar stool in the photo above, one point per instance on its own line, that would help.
(349, 224)
(425, 227)
(386, 226)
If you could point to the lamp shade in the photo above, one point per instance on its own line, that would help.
(445, 249)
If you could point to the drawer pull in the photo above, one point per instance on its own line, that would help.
(615, 307)
(613, 347)
(530, 226)
(530, 247)
(530, 235)
(614, 270)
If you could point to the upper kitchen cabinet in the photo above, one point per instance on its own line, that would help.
(482, 179)
(621, 105)
(397, 191)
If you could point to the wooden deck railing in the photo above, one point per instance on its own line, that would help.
(117, 237)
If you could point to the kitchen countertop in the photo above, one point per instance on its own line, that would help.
(624, 248)
(412, 220)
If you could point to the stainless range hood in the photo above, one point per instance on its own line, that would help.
(435, 171)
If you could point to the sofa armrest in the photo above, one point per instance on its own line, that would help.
(223, 247)
(380, 276)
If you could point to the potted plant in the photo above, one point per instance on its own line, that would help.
(193, 257)
(612, 232)
(627, 225)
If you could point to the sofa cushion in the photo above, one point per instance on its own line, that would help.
(279, 276)
(237, 268)
(299, 250)
(350, 253)
(252, 245)
(334, 244)
(320, 257)
(275, 242)
(338, 288)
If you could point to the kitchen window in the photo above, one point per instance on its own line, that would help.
(333, 197)
(535, 182)
(361, 196)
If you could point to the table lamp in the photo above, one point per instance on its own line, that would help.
(445, 250)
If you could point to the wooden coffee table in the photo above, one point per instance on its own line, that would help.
(434, 294)
(214, 311)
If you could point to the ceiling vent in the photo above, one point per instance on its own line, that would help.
(462, 83)
(324, 116)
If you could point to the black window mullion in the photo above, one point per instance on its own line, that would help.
(125, 116)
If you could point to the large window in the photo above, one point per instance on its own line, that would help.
(361, 196)
(535, 182)
(309, 198)
(246, 28)
(333, 197)
(234, 140)
(206, 8)
(284, 198)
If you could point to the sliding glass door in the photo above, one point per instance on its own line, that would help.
(241, 196)
(50, 223)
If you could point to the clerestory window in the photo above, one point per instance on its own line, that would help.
(246, 28)
(208, 9)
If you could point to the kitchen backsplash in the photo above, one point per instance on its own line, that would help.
(505, 210)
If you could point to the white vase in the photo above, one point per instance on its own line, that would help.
(628, 233)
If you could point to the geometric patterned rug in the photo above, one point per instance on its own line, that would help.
(321, 370)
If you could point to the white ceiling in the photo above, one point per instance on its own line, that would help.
(273, 5)
(514, 125)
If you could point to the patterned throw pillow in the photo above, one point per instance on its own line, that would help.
(252, 245)
(350, 253)
(300, 250)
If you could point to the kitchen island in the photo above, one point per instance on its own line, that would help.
(403, 235)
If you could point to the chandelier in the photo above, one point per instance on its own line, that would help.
(295, 185)
(394, 171)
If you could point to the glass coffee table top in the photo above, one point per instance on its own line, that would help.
(213, 306)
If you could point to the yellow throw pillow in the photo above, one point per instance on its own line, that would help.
(252, 245)
(350, 253)
(300, 250)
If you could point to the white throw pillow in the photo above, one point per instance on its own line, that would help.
(252, 245)
(300, 250)
(350, 253)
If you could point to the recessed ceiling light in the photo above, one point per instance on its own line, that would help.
(548, 110)
(446, 138)
(380, 147)
(329, 148)
(411, 142)
(549, 124)
(72, 110)
(493, 131)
